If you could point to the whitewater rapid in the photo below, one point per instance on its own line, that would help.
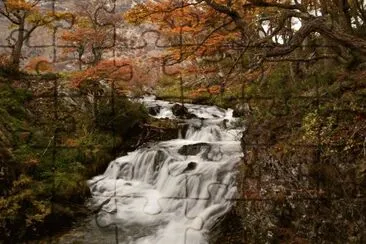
(172, 192)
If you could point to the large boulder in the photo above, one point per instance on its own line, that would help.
(182, 112)
(194, 149)
(154, 110)
(190, 167)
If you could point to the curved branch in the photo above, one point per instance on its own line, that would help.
(261, 3)
(230, 12)
(318, 25)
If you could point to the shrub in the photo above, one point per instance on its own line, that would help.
(119, 116)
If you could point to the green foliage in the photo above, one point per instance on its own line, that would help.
(11, 102)
(69, 181)
(42, 176)
(120, 116)
(316, 126)
(168, 90)
(22, 208)
(167, 81)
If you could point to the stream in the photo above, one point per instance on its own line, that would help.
(169, 192)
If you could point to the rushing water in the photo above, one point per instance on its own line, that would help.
(172, 192)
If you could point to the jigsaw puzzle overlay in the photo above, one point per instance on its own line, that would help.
(280, 164)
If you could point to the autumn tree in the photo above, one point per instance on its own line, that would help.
(261, 30)
(93, 31)
(24, 17)
(118, 71)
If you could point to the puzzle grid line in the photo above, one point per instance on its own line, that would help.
(53, 147)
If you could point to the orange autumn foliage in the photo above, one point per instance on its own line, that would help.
(20, 5)
(253, 32)
(215, 89)
(201, 91)
(197, 24)
(110, 70)
(38, 65)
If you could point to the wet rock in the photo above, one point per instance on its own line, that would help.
(182, 112)
(224, 123)
(194, 149)
(154, 110)
(241, 110)
(183, 129)
(190, 167)
(229, 229)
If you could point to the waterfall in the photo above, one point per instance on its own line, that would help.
(173, 191)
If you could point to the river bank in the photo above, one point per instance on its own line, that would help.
(53, 138)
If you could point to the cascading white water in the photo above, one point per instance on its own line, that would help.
(173, 191)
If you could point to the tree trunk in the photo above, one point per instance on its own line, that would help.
(16, 53)
(97, 53)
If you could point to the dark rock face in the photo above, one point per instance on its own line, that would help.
(190, 167)
(154, 110)
(228, 230)
(237, 113)
(183, 129)
(194, 149)
(182, 112)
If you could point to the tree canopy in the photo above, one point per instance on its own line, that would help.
(271, 29)
(25, 17)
